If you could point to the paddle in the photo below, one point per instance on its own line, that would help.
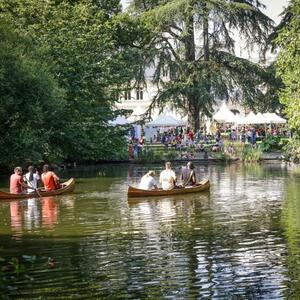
(30, 185)
(39, 194)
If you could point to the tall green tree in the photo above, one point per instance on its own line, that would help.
(194, 40)
(89, 62)
(288, 63)
(31, 103)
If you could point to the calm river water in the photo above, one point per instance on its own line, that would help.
(240, 241)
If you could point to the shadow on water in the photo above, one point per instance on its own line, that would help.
(237, 242)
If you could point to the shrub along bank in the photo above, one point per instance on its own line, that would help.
(231, 151)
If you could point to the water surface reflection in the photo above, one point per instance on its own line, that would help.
(238, 241)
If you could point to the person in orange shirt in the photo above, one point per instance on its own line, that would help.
(50, 179)
(16, 184)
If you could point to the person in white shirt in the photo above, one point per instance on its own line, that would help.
(148, 181)
(32, 178)
(167, 178)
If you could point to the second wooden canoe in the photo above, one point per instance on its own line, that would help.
(199, 187)
(66, 187)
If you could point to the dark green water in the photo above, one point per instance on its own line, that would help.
(240, 241)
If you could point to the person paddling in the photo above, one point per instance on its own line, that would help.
(16, 184)
(50, 179)
(168, 178)
(148, 181)
(188, 175)
(32, 177)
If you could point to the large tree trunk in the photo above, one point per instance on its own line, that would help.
(205, 36)
(194, 114)
(205, 33)
(190, 57)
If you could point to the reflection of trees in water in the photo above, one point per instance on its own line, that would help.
(229, 246)
(291, 222)
(224, 244)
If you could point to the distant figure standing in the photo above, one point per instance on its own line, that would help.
(253, 136)
(32, 177)
(148, 181)
(188, 175)
(131, 150)
(16, 184)
(50, 179)
(167, 178)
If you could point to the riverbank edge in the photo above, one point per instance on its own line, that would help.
(278, 158)
(266, 157)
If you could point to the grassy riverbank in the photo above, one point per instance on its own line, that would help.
(231, 151)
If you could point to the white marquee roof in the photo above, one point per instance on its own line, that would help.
(224, 114)
(273, 118)
(165, 121)
(119, 121)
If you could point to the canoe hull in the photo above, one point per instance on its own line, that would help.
(67, 187)
(199, 187)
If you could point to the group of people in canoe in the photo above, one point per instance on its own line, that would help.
(29, 182)
(168, 179)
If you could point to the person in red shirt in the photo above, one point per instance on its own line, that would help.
(17, 185)
(50, 179)
(191, 135)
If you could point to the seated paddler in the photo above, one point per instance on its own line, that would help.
(50, 179)
(168, 178)
(148, 181)
(188, 175)
(16, 184)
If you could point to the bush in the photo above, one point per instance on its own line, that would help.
(221, 156)
(272, 143)
(171, 155)
(250, 154)
(292, 150)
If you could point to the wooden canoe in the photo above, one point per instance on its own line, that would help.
(66, 187)
(201, 186)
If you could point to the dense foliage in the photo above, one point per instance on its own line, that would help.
(195, 42)
(288, 67)
(58, 88)
(288, 64)
(64, 63)
(32, 104)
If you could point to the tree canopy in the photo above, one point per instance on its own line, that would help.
(87, 51)
(288, 63)
(32, 103)
(194, 40)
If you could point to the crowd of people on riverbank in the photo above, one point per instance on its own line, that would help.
(29, 183)
(179, 138)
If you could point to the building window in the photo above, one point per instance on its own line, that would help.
(127, 95)
(165, 72)
(139, 94)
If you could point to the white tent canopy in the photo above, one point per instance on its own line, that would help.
(260, 119)
(273, 118)
(266, 118)
(224, 114)
(252, 118)
(237, 119)
(119, 121)
(165, 121)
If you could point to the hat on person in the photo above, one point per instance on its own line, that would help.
(151, 173)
